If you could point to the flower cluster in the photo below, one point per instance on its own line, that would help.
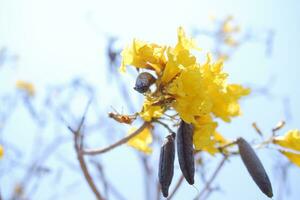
(199, 93)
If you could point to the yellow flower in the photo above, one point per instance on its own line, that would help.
(150, 111)
(291, 140)
(142, 140)
(26, 86)
(293, 157)
(217, 141)
(1, 151)
(179, 57)
(143, 55)
(202, 89)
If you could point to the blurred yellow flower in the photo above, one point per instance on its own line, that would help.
(291, 140)
(230, 41)
(141, 141)
(1, 151)
(228, 25)
(26, 86)
(293, 157)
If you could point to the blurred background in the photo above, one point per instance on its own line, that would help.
(57, 55)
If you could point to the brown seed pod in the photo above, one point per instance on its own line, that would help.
(255, 167)
(143, 82)
(166, 164)
(185, 151)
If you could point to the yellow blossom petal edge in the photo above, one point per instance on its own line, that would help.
(143, 55)
(141, 141)
(293, 157)
(150, 111)
(291, 140)
(26, 86)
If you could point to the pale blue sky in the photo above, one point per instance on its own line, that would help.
(59, 39)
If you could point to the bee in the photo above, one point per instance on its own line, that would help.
(126, 119)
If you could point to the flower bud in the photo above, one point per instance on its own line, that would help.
(143, 82)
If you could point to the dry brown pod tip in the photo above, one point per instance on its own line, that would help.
(255, 167)
(143, 82)
(185, 151)
(166, 164)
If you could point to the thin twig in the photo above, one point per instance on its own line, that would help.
(78, 141)
(212, 178)
(102, 177)
(164, 125)
(116, 144)
(85, 171)
(178, 184)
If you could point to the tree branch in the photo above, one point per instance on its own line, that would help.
(178, 184)
(116, 144)
(212, 178)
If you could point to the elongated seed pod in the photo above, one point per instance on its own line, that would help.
(255, 167)
(143, 82)
(185, 151)
(166, 164)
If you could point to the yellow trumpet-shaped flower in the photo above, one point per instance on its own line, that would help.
(141, 141)
(291, 140)
(202, 89)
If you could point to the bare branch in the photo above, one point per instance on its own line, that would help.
(178, 184)
(116, 144)
(212, 178)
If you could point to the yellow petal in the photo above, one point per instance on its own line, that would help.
(143, 55)
(290, 140)
(26, 86)
(141, 141)
(203, 132)
(185, 43)
(150, 112)
(293, 157)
